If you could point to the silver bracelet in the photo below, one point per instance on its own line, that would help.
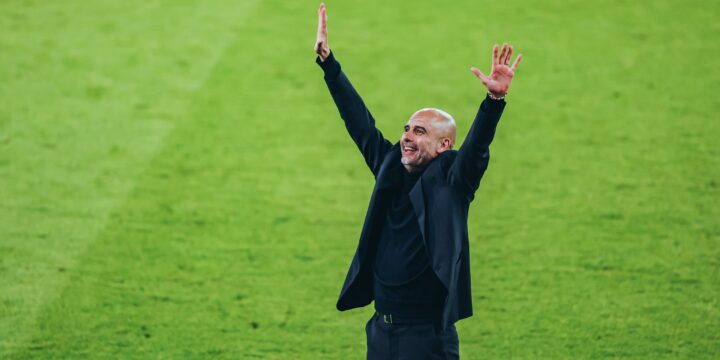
(496, 98)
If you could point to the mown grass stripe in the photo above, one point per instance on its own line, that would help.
(72, 174)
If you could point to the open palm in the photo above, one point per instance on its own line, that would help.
(501, 74)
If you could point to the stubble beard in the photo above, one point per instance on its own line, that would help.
(416, 161)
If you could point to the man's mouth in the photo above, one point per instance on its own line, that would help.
(409, 149)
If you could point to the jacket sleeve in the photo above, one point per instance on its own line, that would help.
(474, 154)
(358, 120)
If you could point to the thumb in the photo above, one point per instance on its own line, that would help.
(479, 74)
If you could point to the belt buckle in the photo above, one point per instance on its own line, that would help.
(386, 317)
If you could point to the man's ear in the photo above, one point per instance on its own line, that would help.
(445, 145)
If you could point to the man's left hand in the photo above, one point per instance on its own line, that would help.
(501, 73)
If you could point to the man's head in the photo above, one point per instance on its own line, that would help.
(428, 133)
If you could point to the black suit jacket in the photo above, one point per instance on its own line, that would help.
(441, 197)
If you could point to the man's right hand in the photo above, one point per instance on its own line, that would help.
(321, 44)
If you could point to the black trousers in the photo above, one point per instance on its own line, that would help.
(412, 341)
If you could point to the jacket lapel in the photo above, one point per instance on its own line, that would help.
(417, 195)
(389, 174)
(418, 202)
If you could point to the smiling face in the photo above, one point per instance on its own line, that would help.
(428, 133)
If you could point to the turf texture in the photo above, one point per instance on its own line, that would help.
(175, 181)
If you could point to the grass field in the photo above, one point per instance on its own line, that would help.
(175, 181)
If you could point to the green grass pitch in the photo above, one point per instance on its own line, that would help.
(175, 181)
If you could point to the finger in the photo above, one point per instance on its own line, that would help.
(507, 57)
(323, 20)
(495, 55)
(516, 62)
(479, 74)
(503, 51)
(320, 18)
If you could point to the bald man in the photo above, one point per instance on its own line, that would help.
(412, 259)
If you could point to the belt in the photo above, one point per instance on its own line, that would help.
(402, 320)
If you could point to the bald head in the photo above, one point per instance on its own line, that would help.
(441, 121)
(428, 133)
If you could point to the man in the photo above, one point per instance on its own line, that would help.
(413, 255)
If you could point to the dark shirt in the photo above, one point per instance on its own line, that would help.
(405, 283)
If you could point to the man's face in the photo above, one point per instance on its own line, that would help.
(423, 140)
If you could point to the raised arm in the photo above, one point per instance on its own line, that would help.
(474, 154)
(359, 122)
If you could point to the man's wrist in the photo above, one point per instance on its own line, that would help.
(496, 96)
(323, 60)
(323, 53)
(323, 56)
(330, 66)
